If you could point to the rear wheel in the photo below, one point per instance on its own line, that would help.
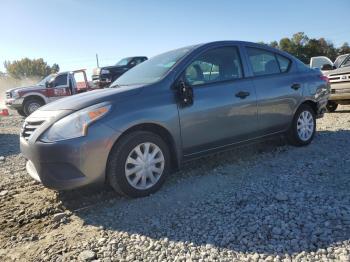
(138, 164)
(331, 106)
(303, 127)
(31, 105)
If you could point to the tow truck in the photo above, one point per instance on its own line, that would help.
(25, 100)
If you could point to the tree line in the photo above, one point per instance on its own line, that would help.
(303, 47)
(26, 68)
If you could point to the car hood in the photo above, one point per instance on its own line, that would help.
(79, 101)
(25, 88)
(337, 71)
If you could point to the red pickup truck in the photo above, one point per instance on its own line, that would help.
(55, 86)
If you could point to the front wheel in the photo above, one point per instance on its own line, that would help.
(21, 112)
(138, 164)
(331, 106)
(303, 127)
(31, 105)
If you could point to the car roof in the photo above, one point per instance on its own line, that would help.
(132, 57)
(244, 43)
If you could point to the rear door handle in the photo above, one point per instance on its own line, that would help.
(295, 86)
(242, 94)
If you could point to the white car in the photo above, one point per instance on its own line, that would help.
(338, 73)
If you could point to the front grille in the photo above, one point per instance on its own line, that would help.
(338, 78)
(29, 128)
(334, 78)
(8, 95)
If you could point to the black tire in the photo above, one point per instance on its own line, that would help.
(331, 106)
(293, 135)
(115, 172)
(28, 105)
(21, 112)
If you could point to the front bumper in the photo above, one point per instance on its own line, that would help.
(14, 103)
(71, 163)
(340, 91)
(101, 80)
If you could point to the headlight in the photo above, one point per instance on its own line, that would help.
(104, 71)
(76, 124)
(14, 94)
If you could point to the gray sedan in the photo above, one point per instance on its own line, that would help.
(170, 109)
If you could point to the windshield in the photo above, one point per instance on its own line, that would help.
(345, 62)
(153, 69)
(123, 62)
(340, 59)
(46, 79)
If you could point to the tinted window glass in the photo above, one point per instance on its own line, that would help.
(218, 64)
(284, 63)
(263, 62)
(61, 80)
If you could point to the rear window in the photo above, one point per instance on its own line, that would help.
(284, 63)
(263, 62)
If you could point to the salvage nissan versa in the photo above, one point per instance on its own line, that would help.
(174, 107)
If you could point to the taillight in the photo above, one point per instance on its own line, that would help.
(324, 78)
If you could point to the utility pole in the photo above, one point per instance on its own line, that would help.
(97, 60)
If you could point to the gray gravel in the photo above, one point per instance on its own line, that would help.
(263, 202)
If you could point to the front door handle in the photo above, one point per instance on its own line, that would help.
(242, 94)
(295, 86)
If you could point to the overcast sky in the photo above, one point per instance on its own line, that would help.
(71, 32)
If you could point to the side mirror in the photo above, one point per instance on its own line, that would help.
(185, 93)
(49, 84)
(326, 67)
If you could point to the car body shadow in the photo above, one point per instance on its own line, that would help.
(244, 218)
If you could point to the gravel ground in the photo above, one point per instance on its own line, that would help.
(262, 202)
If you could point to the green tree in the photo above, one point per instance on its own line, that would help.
(313, 48)
(29, 68)
(287, 45)
(274, 44)
(344, 49)
(55, 68)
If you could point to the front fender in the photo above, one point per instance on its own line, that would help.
(35, 94)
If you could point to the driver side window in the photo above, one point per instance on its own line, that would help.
(60, 80)
(219, 64)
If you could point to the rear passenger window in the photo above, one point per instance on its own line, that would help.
(219, 64)
(283, 62)
(263, 62)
